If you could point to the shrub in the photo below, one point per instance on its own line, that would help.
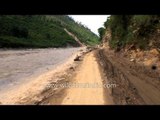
(101, 32)
(19, 32)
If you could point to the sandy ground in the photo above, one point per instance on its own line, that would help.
(82, 85)
(86, 87)
(26, 72)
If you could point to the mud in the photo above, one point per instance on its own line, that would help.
(134, 84)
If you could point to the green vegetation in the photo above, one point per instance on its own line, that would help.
(41, 31)
(101, 32)
(131, 29)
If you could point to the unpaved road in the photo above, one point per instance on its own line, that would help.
(18, 66)
(86, 87)
(25, 74)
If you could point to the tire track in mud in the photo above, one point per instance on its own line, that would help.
(131, 89)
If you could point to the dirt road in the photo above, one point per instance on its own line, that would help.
(83, 81)
(86, 87)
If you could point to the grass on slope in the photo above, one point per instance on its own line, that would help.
(41, 31)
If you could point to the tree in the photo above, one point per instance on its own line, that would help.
(107, 23)
(101, 32)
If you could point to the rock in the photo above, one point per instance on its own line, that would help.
(145, 59)
(71, 68)
(138, 50)
(140, 54)
(77, 58)
(151, 43)
(151, 61)
(148, 62)
(154, 52)
(132, 60)
(53, 83)
(134, 54)
(127, 98)
(138, 60)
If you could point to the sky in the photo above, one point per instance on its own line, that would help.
(93, 22)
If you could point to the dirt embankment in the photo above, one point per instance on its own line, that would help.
(136, 84)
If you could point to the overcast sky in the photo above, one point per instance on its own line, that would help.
(93, 22)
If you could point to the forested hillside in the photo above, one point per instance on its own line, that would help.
(41, 31)
(140, 31)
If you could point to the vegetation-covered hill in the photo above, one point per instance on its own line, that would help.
(42, 31)
(140, 31)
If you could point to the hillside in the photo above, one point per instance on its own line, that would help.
(135, 30)
(135, 36)
(41, 31)
(131, 57)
